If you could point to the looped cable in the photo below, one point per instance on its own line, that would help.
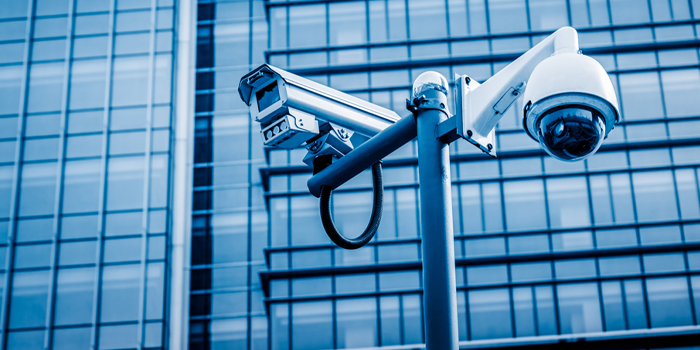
(375, 217)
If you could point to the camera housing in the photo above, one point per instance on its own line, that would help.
(570, 106)
(295, 112)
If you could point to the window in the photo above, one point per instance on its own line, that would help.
(81, 186)
(120, 293)
(524, 312)
(485, 275)
(427, 19)
(489, 313)
(669, 303)
(129, 81)
(628, 12)
(48, 50)
(678, 92)
(579, 309)
(31, 256)
(77, 253)
(547, 14)
(307, 26)
(619, 266)
(356, 323)
(37, 189)
(524, 205)
(71, 338)
(567, 199)
(125, 183)
(45, 87)
(641, 95)
(312, 325)
(654, 196)
(347, 23)
(613, 310)
(74, 296)
(507, 16)
(531, 272)
(311, 286)
(29, 295)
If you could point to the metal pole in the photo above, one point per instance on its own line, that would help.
(439, 284)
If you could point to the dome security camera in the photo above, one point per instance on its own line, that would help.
(570, 102)
(570, 106)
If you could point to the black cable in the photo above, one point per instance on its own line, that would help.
(377, 205)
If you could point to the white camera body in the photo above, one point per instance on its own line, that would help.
(293, 110)
(570, 102)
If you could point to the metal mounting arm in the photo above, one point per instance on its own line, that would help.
(479, 107)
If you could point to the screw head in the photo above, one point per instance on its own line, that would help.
(469, 133)
(490, 146)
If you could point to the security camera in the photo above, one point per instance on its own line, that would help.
(570, 102)
(570, 106)
(295, 112)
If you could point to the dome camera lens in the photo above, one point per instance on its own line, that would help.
(571, 133)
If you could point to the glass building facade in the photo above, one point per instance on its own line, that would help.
(85, 168)
(139, 209)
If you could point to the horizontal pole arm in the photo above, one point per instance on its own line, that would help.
(362, 157)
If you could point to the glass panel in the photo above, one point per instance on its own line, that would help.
(347, 23)
(29, 295)
(524, 205)
(641, 95)
(619, 266)
(304, 20)
(81, 186)
(398, 281)
(628, 11)
(567, 199)
(32, 340)
(390, 326)
(364, 283)
(489, 314)
(524, 312)
(678, 92)
(686, 185)
(312, 325)
(35, 255)
(71, 338)
(613, 310)
(579, 309)
(412, 319)
(530, 272)
(636, 310)
(660, 263)
(484, 275)
(45, 87)
(37, 189)
(654, 196)
(77, 253)
(356, 323)
(128, 249)
(547, 15)
(118, 337)
(420, 13)
(125, 183)
(129, 81)
(74, 295)
(34, 230)
(87, 81)
(575, 268)
(48, 50)
(120, 293)
(279, 326)
(506, 16)
(546, 317)
(311, 286)
(572, 241)
(669, 303)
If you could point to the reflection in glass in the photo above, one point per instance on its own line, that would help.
(29, 292)
(74, 295)
(312, 325)
(579, 309)
(45, 87)
(37, 189)
(356, 322)
(125, 183)
(120, 293)
(81, 186)
(489, 314)
(668, 302)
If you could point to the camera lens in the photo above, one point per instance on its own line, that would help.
(571, 133)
